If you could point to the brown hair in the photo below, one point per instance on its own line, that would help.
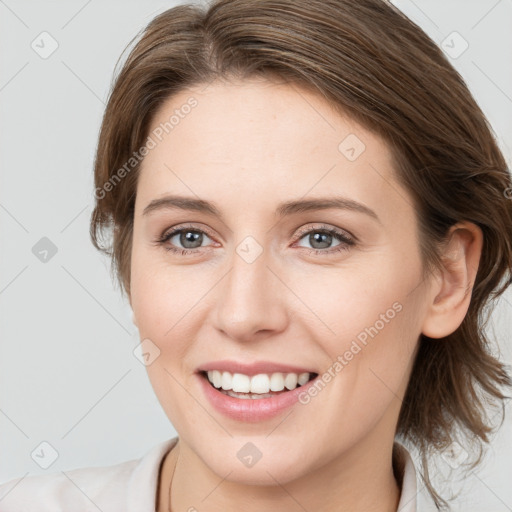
(371, 62)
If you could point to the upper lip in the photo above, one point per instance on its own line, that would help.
(253, 368)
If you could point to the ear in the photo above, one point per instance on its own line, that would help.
(450, 293)
(134, 320)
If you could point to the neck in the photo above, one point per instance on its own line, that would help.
(359, 480)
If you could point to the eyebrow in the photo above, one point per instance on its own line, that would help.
(284, 209)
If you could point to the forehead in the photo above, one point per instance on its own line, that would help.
(268, 142)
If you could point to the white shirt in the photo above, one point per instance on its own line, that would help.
(132, 487)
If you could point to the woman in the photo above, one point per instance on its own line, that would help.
(308, 215)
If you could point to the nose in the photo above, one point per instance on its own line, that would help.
(251, 300)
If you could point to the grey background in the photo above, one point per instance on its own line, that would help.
(68, 375)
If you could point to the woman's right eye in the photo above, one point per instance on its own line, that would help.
(190, 240)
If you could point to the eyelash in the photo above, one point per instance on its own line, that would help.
(345, 241)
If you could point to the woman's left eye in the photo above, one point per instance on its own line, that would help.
(323, 236)
(321, 239)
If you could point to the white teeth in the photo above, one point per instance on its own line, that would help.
(241, 383)
(259, 384)
(290, 381)
(303, 378)
(217, 378)
(246, 396)
(226, 380)
(277, 382)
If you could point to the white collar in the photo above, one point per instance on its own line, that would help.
(144, 479)
(414, 496)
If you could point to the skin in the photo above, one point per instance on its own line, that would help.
(248, 146)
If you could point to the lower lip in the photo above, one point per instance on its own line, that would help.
(251, 409)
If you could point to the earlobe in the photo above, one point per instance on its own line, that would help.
(134, 320)
(450, 295)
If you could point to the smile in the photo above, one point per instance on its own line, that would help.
(262, 385)
(253, 391)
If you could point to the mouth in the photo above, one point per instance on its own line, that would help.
(261, 385)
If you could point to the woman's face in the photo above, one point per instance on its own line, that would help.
(335, 291)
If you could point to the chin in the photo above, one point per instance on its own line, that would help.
(253, 460)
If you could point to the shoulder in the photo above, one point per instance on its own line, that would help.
(80, 487)
(109, 488)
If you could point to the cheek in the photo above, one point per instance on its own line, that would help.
(160, 303)
(353, 297)
(170, 303)
(371, 316)
(160, 293)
